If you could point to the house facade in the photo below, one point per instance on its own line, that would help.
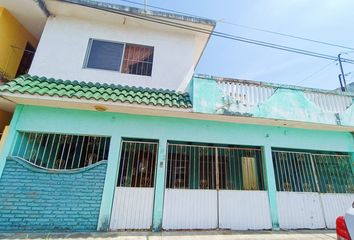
(112, 130)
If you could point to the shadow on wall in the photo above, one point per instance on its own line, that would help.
(5, 118)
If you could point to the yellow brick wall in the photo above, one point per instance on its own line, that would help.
(12, 33)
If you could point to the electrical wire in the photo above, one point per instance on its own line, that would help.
(316, 72)
(351, 78)
(244, 26)
(216, 33)
(348, 74)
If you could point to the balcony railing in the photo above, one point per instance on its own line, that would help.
(266, 100)
(253, 93)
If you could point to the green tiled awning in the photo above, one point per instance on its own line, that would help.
(42, 86)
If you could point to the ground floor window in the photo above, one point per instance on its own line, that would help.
(313, 172)
(204, 166)
(60, 151)
(137, 163)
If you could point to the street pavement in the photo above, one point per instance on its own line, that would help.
(181, 235)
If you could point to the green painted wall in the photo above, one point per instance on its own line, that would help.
(57, 120)
(284, 104)
(159, 185)
(347, 118)
(116, 125)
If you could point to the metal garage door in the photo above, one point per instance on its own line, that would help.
(312, 189)
(211, 187)
(134, 194)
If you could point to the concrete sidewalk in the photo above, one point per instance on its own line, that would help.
(181, 235)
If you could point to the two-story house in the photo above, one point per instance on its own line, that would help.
(112, 130)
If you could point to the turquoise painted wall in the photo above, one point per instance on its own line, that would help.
(116, 125)
(284, 104)
(33, 199)
(54, 120)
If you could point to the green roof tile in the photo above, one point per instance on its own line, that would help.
(34, 85)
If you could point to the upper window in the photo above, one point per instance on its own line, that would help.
(121, 57)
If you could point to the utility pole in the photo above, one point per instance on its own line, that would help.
(341, 69)
(145, 5)
(341, 83)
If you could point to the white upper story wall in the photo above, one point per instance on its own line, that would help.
(63, 46)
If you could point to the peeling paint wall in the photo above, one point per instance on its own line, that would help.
(274, 102)
(288, 104)
(347, 118)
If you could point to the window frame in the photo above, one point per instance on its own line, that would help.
(88, 52)
(142, 46)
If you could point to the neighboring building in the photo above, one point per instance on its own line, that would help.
(18, 43)
(113, 130)
(350, 87)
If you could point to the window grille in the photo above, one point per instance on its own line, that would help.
(137, 164)
(121, 57)
(334, 173)
(308, 172)
(191, 166)
(138, 60)
(60, 151)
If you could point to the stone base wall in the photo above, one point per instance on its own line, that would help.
(35, 199)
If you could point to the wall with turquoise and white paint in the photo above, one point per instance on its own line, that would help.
(284, 103)
(118, 126)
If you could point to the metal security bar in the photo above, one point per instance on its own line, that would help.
(192, 166)
(60, 151)
(240, 168)
(137, 164)
(294, 171)
(308, 172)
(138, 59)
(334, 173)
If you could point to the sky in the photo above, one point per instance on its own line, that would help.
(324, 20)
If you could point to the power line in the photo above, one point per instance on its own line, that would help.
(288, 35)
(316, 72)
(237, 38)
(245, 26)
(351, 77)
(218, 34)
